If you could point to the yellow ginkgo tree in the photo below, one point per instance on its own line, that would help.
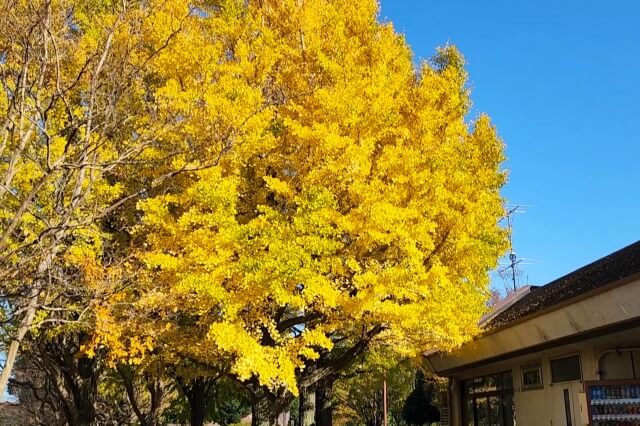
(339, 198)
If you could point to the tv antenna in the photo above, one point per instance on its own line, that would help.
(513, 258)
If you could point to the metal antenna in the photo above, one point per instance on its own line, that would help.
(510, 273)
(513, 259)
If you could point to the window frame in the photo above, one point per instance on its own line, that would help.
(536, 366)
(570, 355)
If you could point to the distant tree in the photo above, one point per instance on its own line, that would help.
(419, 407)
(494, 298)
(358, 397)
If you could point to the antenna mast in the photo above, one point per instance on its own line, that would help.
(512, 254)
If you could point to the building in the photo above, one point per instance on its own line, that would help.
(567, 353)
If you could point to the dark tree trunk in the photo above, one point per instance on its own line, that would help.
(86, 391)
(324, 402)
(74, 376)
(197, 392)
(156, 389)
(197, 414)
(153, 385)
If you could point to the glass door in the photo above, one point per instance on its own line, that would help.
(488, 400)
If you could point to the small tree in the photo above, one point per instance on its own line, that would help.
(419, 407)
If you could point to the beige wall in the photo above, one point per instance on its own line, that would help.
(546, 406)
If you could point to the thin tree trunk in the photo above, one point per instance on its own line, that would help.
(128, 382)
(156, 391)
(87, 389)
(153, 384)
(27, 321)
(25, 325)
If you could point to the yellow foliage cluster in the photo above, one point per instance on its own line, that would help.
(333, 183)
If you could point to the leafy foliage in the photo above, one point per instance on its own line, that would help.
(337, 195)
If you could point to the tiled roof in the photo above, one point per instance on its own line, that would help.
(616, 266)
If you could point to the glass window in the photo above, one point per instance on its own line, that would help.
(565, 369)
(488, 400)
(532, 376)
(482, 412)
(468, 418)
(488, 383)
(467, 386)
(495, 411)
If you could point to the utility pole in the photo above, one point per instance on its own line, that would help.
(384, 400)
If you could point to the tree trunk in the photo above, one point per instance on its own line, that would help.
(156, 391)
(324, 402)
(197, 414)
(307, 408)
(261, 412)
(153, 385)
(87, 390)
(25, 325)
(74, 377)
(197, 393)
(127, 376)
(29, 315)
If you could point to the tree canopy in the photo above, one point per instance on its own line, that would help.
(338, 194)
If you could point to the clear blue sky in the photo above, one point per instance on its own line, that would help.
(560, 80)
